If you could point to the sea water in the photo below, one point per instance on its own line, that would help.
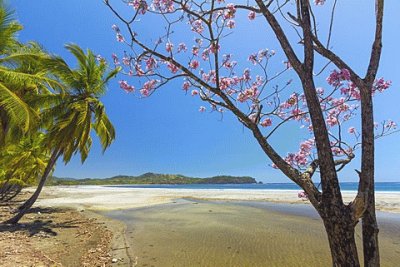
(379, 186)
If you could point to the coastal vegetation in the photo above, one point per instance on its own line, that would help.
(47, 110)
(153, 178)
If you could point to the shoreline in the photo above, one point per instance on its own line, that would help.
(93, 204)
(103, 198)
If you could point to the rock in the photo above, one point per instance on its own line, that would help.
(114, 260)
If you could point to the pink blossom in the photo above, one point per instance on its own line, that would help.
(230, 24)
(148, 87)
(206, 53)
(120, 38)
(253, 59)
(151, 63)
(140, 5)
(126, 61)
(194, 64)
(115, 28)
(246, 75)
(230, 11)
(186, 85)
(182, 47)
(287, 64)
(197, 26)
(352, 130)
(250, 93)
(390, 124)
(381, 85)
(251, 15)
(297, 114)
(202, 109)
(169, 46)
(302, 195)
(164, 6)
(194, 92)
(172, 67)
(195, 50)
(336, 77)
(115, 59)
(126, 87)
(319, 2)
(266, 122)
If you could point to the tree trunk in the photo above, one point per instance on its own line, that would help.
(370, 234)
(28, 204)
(17, 189)
(339, 227)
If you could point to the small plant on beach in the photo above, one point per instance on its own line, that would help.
(264, 102)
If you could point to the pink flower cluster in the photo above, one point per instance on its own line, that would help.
(126, 87)
(261, 55)
(300, 158)
(163, 6)
(252, 15)
(319, 2)
(249, 93)
(119, 36)
(337, 77)
(197, 26)
(303, 195)
(148, 87)
(230, 11)
(139, 5)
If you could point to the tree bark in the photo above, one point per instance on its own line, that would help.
(340, 230)
(370, 232)
(29, 203)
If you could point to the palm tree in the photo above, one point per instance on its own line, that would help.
(23, 73)
(70, 121)
(22, 165)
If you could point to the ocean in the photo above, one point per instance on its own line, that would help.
(379, 186)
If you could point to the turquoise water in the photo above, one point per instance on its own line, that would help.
(379, 187)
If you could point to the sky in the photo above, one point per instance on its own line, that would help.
(165, 133)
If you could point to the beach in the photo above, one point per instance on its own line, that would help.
(110, 197)
(121, 226)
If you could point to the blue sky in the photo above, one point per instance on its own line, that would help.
(166, 134)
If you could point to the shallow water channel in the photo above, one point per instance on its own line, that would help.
(216, 233)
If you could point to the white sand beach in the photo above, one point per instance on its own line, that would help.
(111, 198)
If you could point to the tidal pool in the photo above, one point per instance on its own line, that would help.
(216, 233)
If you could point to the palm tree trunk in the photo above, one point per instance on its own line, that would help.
(15, 190)
(28, 204)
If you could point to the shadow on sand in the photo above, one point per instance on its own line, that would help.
(41, 224)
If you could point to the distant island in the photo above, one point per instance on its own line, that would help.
(153, 178)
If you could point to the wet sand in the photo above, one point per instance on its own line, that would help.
(228, 233)
(214, 227)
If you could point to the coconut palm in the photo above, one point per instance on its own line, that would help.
(70, 121)
(22, 165)
(23, 74)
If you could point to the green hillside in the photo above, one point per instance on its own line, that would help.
(153, 178)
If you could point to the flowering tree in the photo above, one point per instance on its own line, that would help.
(263, 102)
